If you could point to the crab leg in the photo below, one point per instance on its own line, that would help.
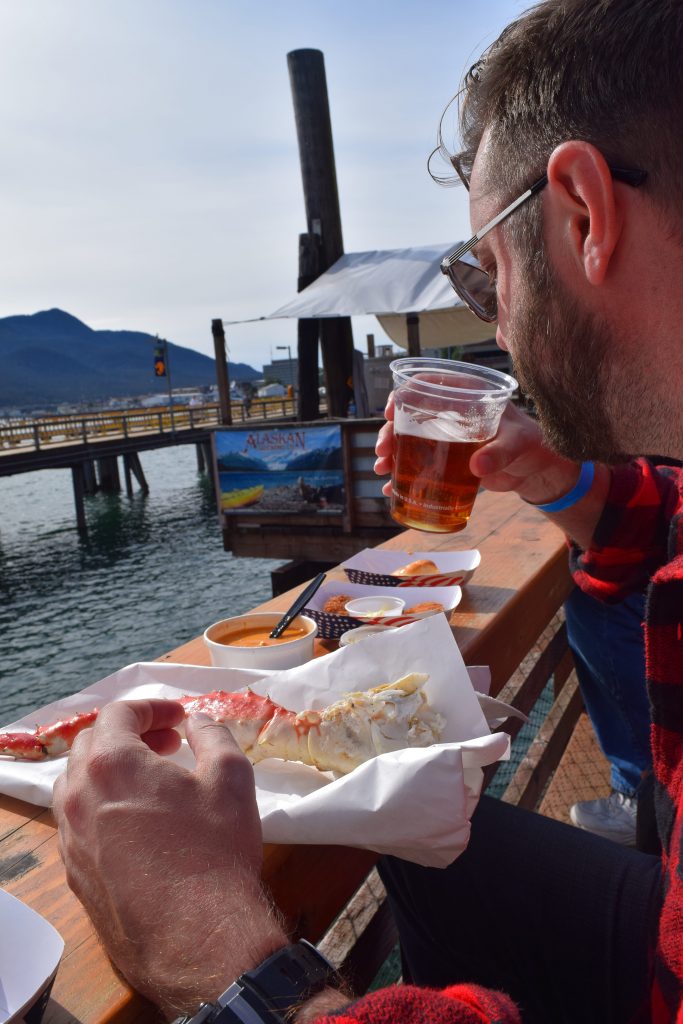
(338, 738)
(48, 740)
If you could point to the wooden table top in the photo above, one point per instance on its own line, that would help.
(523, 565)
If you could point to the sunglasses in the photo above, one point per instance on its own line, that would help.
(471, 283)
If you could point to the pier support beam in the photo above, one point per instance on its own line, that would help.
(201, 462)
(132, 464)
(108, 473)
(127, 477)
(208, 462)
(78, 478)
(89, 477)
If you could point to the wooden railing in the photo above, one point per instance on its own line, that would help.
(85, 427)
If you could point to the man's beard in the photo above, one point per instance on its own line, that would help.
(563, 360)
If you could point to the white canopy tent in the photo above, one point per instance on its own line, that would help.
(392, 284)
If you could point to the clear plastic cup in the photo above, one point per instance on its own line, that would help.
(444, 411)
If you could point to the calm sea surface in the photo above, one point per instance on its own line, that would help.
(151, 574)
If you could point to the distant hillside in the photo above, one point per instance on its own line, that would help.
(52, 357)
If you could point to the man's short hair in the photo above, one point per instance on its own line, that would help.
(609, 72)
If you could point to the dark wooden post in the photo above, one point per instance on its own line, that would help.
(77, 478)
(308, 403)
(371, 345)
(413, 322)
(321, 197)
(108, 474)
(127, 476)
(221, 371)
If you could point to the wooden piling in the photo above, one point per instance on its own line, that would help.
(127, 476)
(108, 474)
(89, 477)
(321, 197)
(208, 462)
(201, 466)
(77, 477)
(137, 471)
(221, 371)
(308, 401)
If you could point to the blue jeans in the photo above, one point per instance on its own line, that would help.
(608, 648)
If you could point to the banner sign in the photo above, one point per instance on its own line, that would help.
(280, 469)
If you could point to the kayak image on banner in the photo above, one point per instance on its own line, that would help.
(280, 469)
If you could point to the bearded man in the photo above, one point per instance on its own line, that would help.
(572, 151)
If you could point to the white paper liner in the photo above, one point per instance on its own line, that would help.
(30, 951)
(413, 803)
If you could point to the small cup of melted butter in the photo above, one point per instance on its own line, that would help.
(244, 641)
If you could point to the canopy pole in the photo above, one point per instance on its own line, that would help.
(413, 324)
(221, 371)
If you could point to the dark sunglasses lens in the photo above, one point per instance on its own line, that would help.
(474, 287)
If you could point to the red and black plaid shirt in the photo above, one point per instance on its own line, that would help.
(639, 538)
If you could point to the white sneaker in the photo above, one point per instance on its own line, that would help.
(613, 817)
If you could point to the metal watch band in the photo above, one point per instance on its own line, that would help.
(264, 995)
(237, 1005)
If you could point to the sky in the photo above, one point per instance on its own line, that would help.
(149, 166)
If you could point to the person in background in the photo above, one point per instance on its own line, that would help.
(607, 643)
(572, 151)
(608, 646)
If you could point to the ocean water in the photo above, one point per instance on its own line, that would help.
(151, 574)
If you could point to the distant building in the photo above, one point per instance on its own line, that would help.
(285, 371)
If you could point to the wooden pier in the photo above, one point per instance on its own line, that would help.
(90, 444)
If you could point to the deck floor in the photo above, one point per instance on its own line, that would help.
(583, 774)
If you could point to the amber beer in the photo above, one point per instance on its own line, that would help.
(432, 484)
(443, 412)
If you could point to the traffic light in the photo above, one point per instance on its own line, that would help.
(160, 361)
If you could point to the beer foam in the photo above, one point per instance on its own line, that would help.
(445, 426)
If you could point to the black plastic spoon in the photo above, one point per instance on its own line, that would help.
(300, 603)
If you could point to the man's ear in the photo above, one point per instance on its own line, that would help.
(582, 205)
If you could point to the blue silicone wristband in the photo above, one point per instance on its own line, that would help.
(579, 491)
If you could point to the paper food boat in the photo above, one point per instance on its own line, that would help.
(30, 951)
(373, 567)
(331, 626)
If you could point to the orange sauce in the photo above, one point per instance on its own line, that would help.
(253, 636)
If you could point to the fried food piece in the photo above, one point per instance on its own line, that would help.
(336, 605)
(421, 567)
(424, 606)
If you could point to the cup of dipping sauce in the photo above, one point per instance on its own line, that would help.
(354, 636)
(244, 642)
(374, 607)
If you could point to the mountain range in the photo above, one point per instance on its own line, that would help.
(52, 357)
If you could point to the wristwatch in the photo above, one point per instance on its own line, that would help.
(266, 994)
